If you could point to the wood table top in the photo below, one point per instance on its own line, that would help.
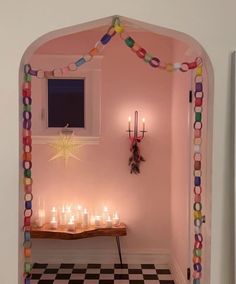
(62, 232)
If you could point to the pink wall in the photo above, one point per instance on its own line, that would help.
(102, 176)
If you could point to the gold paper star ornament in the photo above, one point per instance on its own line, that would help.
(65, 147)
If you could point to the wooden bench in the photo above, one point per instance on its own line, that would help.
(62, 233)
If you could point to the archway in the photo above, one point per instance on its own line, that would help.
(196, 50)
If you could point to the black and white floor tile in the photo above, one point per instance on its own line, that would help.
(100, 274)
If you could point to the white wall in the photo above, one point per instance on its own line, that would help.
(181, 185)
(212, 23)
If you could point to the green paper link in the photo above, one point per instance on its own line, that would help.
(27, 108)
(27, 78)
(27, 173)
(198, 116)
(28, 267)
(129, 42)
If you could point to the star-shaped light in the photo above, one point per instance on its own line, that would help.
(65, 147)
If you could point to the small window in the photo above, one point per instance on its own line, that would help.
(66, 103)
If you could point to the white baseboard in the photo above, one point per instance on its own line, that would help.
(177, 273)
(60, 255)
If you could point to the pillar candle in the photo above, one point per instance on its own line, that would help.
(116, 219)
(85, 221)
(79, 215)
(97, 221)
(40, 221)
(105, 215)
(53, 223)
(63, 217)
(54, 212)
(109, 222)
(71, 224)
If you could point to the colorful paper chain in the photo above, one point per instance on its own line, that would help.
(199, 219)
(115, 28)
(27, 179)
(154, 62)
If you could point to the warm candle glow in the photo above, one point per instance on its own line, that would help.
(85, 219)
(40, 221)
(54, 210)
(116, 219)
(97, 221)
(71, 221)
(129, 119)
(53, 223)
(109, 222)
(143, 123)
(73, 213)
(71, 224)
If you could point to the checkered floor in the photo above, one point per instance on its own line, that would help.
(101, 274)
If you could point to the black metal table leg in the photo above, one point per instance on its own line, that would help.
(119, 249)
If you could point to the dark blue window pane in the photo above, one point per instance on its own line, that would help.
(66, 102)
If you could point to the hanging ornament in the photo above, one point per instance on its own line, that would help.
(65, 146)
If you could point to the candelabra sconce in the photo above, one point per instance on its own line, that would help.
(135, 137)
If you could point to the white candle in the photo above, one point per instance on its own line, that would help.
(92, 220)
(129, 122)
(85, 221)
(143, 124)
(116, 220)
(71, 224)
(54, 212)
(109, 222)
(79, 214)
(53, 223)
(63, 216)
(40, 221)
(97, 221)
(105, 214)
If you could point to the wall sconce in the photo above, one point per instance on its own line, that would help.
(135, 138)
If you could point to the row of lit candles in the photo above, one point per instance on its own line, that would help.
(77, 218)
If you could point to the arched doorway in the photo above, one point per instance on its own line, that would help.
(176, 222)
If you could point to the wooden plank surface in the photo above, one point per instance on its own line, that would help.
(62, 233)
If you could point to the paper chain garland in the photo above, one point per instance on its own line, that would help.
(199, 218)
(154, 62)
(27, 178)
(115, 28)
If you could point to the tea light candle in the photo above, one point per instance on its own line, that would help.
(109, 222)
(116, 220)
(97, 221)
(85, 222)
(71, 224)
(53, 223)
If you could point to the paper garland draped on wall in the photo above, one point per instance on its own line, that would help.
(154, 62)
